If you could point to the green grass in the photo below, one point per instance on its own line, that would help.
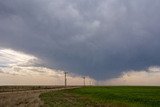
(104, 97)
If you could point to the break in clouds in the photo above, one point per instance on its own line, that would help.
(17, 68)
(97, 38)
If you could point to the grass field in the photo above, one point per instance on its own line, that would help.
(104, 97)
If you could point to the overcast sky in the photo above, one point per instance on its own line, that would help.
(97, 38)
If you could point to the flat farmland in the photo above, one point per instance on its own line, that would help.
(126, 96)
(25, 88)
(25, 96)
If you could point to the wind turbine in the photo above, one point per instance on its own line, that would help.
(84, 81)
(65, 78)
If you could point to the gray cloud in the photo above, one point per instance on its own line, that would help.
(99, 38)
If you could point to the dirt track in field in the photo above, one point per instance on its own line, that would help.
(24, 98)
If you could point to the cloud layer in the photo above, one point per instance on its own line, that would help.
(99, 38)
(148, 77)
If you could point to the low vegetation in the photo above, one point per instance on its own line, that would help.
(104, 97)
(25, 88)
(24, 96)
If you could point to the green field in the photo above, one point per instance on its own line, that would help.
(104, 97)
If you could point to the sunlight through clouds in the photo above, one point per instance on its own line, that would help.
(18, 68)
(10, 57)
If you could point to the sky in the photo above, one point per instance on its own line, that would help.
(112, 42)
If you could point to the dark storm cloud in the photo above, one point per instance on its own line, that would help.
(99, 38)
